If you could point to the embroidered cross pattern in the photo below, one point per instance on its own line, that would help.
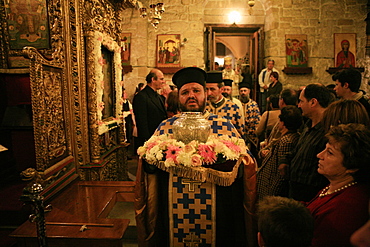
(191, 213)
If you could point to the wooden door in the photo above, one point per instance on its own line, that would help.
(209, 48)
(256, 52)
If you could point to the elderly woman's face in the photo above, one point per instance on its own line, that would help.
(331, 161)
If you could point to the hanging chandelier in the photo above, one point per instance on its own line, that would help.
(155, 12)
(251, 4)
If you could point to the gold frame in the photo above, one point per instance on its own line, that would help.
(78, 149)
(94, 41)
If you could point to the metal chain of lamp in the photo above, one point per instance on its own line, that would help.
(155, 13)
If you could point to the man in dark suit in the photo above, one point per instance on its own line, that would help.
(150, 111)
(149, 108)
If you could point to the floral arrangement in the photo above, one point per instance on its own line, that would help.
(216, 150)
(100, 39)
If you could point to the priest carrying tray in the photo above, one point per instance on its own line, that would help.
(235, 204)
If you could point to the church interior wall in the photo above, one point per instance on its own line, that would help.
(184, 17)
(319, 20)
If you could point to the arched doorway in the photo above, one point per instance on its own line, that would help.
(241, 42)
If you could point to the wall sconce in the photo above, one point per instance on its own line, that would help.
(155, 12)
(183, 42)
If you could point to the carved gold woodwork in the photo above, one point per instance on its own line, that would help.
(95, 80)
(100, 25)
(64, 95)
(123, 4)
(112, 168)
(51, 120)
(4, 44)
(50, 111)
(100, 15)
(76, 71)
(32, 176)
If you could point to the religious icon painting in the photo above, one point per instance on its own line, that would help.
(296, 50)
(168, 50)
(27, 24)
(126, 48)
(345, 50)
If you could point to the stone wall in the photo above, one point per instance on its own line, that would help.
(319, 19)
(184, 17)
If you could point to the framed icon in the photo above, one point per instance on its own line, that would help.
(168, 50)
(296, 50)
(345, 50)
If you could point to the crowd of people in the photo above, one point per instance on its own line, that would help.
(311, 148)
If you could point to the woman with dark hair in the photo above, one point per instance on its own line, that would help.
(269, 180)
(275, 86)
(342, 207)
(139, 87)
(344, 112)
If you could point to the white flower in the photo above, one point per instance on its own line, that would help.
(191, 147)
(150, 158)
(141, 151)
(185, 158)
(159, 156)
(220, 147)
(230, 155)
(157, 148)
(169, 162)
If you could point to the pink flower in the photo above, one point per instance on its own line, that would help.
(151, 145)
(101, 61)
(232, 146)
(190, 147)
(172, 152)
(101, 106)
(206, 151)
(196, 160)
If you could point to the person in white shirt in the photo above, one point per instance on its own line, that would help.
(264, 82)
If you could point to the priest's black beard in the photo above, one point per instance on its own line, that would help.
(244, 99)
(201, 108)
(226, 95)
